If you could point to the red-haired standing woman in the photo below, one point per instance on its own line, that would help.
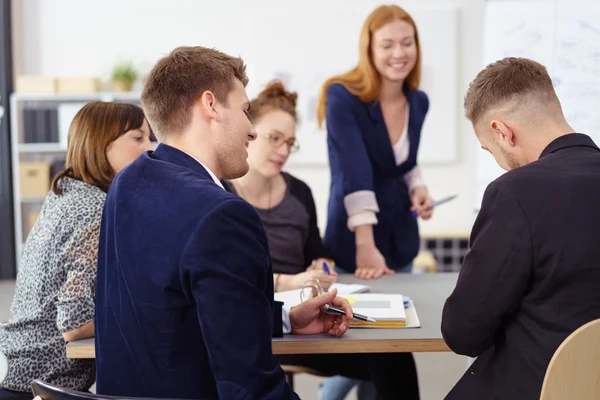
(373, 115)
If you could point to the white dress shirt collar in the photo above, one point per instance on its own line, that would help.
(213, 176)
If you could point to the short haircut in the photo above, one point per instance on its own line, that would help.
(178, 80)
(504, 81)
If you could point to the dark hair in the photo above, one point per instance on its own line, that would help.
(274, 97)
(178, 80)
(94, 127)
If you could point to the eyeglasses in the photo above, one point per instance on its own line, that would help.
(277, 139)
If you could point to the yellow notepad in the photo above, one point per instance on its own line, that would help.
(387, 309)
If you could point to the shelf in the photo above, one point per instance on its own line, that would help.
(32, 200)
(48, 147)
(19, 102)
(58, 97)
(41, 148)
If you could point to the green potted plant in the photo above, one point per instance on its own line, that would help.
(124, 74)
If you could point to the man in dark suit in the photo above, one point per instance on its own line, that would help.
(531, 276)
(184, 301)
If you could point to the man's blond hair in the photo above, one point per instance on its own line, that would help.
(178, 80)
(509, 82)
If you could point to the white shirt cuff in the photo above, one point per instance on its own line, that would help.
(358, 202)
(363, 218)
(361, 208)
(285, 319)
(414, 178)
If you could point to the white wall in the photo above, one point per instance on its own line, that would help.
(73, 37)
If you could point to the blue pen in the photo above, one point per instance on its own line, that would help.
(326, 268)
(437, 203)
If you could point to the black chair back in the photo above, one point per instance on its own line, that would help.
(49, 392)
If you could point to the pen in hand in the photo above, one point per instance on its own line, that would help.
(435, 204)
(331, 309)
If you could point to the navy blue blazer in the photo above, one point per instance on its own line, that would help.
(184, 300)
(361, 157)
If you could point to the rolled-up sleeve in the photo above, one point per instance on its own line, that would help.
(361, 208)
(348, 148)
(75, 306)
(414, 178)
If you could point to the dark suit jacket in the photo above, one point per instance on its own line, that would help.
(531, 277)
(184, 301)
(361, 157)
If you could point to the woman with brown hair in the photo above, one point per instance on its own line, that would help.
(286, 208)
(54, 297)
(284, 203)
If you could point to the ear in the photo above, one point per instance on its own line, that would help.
(503, 132)
(208, 105)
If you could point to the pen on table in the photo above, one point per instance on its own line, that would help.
(328, 308)
(437, 203)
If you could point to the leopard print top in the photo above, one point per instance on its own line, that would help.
(55, 288)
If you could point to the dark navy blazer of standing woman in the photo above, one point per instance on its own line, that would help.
(362, 159)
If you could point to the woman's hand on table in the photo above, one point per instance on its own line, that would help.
(370, 264)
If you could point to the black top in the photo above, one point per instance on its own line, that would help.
(291, 226)
(531, 277)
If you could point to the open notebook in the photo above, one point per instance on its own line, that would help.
(292, 297)
(387, 309)
(347, 288)
(390, 310)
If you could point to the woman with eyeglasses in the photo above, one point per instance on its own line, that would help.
(287, 209)
(284, 203)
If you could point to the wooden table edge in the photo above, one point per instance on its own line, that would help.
(80, 351)
(360, 346)
(320, 347)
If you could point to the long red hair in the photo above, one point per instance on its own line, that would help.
(363, 80)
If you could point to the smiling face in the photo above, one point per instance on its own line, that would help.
(276, 131)
(394, 50)
(235, 133)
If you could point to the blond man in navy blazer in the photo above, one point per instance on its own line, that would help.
(184, 305)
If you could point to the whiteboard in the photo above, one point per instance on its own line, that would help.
(563, 35)
(305, 55)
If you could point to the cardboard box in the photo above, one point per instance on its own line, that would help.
(35, 84)
(75, 84)
(34, 178)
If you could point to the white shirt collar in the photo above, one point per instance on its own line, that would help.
(213, 176)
